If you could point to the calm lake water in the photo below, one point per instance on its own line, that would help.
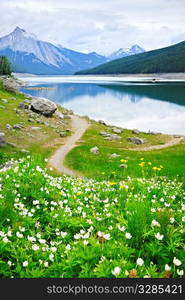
(156, 107)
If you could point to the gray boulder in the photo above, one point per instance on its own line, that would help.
(94, 150)
(10, 85)
(123, 166)
(62, 133)
(35, 128)
(24, 151)
(104, 133)
(17, 126)
(114, 155)
(25, 104)
(8, 126)
(31, 120)
(59, 115)
(135, 131)
(136, 141)
(113, 137)
(43, 106)
(102, 122)
(117, 130)
(2, 139)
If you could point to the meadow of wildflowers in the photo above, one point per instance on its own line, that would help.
(60, 226)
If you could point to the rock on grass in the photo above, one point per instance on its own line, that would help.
(136, 141)
(43, 106)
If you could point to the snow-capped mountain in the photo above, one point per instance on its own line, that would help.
(123, 52)
(30, 55)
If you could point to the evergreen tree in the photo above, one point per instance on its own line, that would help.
(5, 67)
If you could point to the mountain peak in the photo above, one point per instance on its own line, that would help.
(137, 48)
(123, 52)
(18, 29)
(22, 32)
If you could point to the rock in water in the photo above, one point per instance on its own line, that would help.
(94, 150)
(2, 139)
(43, 106)
(136, 140)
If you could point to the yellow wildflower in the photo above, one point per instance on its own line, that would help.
(124, 160)
(142, 164)
(79, 193)
(154, 168)
(111, 183)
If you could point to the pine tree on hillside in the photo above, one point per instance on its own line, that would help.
(5, 67)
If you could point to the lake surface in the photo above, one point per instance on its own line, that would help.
(145, 106)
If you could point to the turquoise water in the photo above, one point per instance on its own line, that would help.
(156, 107)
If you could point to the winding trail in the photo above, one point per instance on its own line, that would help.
(171, 143)
(79, 126)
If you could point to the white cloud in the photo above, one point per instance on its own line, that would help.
(98, 25)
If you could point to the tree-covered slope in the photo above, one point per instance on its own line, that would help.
(165, 60)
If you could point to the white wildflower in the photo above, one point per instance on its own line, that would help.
(140, 262)
(25, 263)
(155, 223)
(172, 220)
(159, 236)
(19, 235)
(121, 228)
(5, 240)
(176, 261)
(180, 272)
(53, 249)
(77, 236)
(68, 247)
(167, 268)
(35, 247)
(116, 271)
(51, 257)
(106, 236)
(128, 235)
(45, 264)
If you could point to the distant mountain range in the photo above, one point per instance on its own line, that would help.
(30, 55)
(166, 60)
(123, 52)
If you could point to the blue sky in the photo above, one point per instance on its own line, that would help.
(97, 25)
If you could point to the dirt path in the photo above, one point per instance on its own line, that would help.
(79, 126)
(173, 142)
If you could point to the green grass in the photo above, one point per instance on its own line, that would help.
(42, 142)
(101, 166)
(71, 227)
